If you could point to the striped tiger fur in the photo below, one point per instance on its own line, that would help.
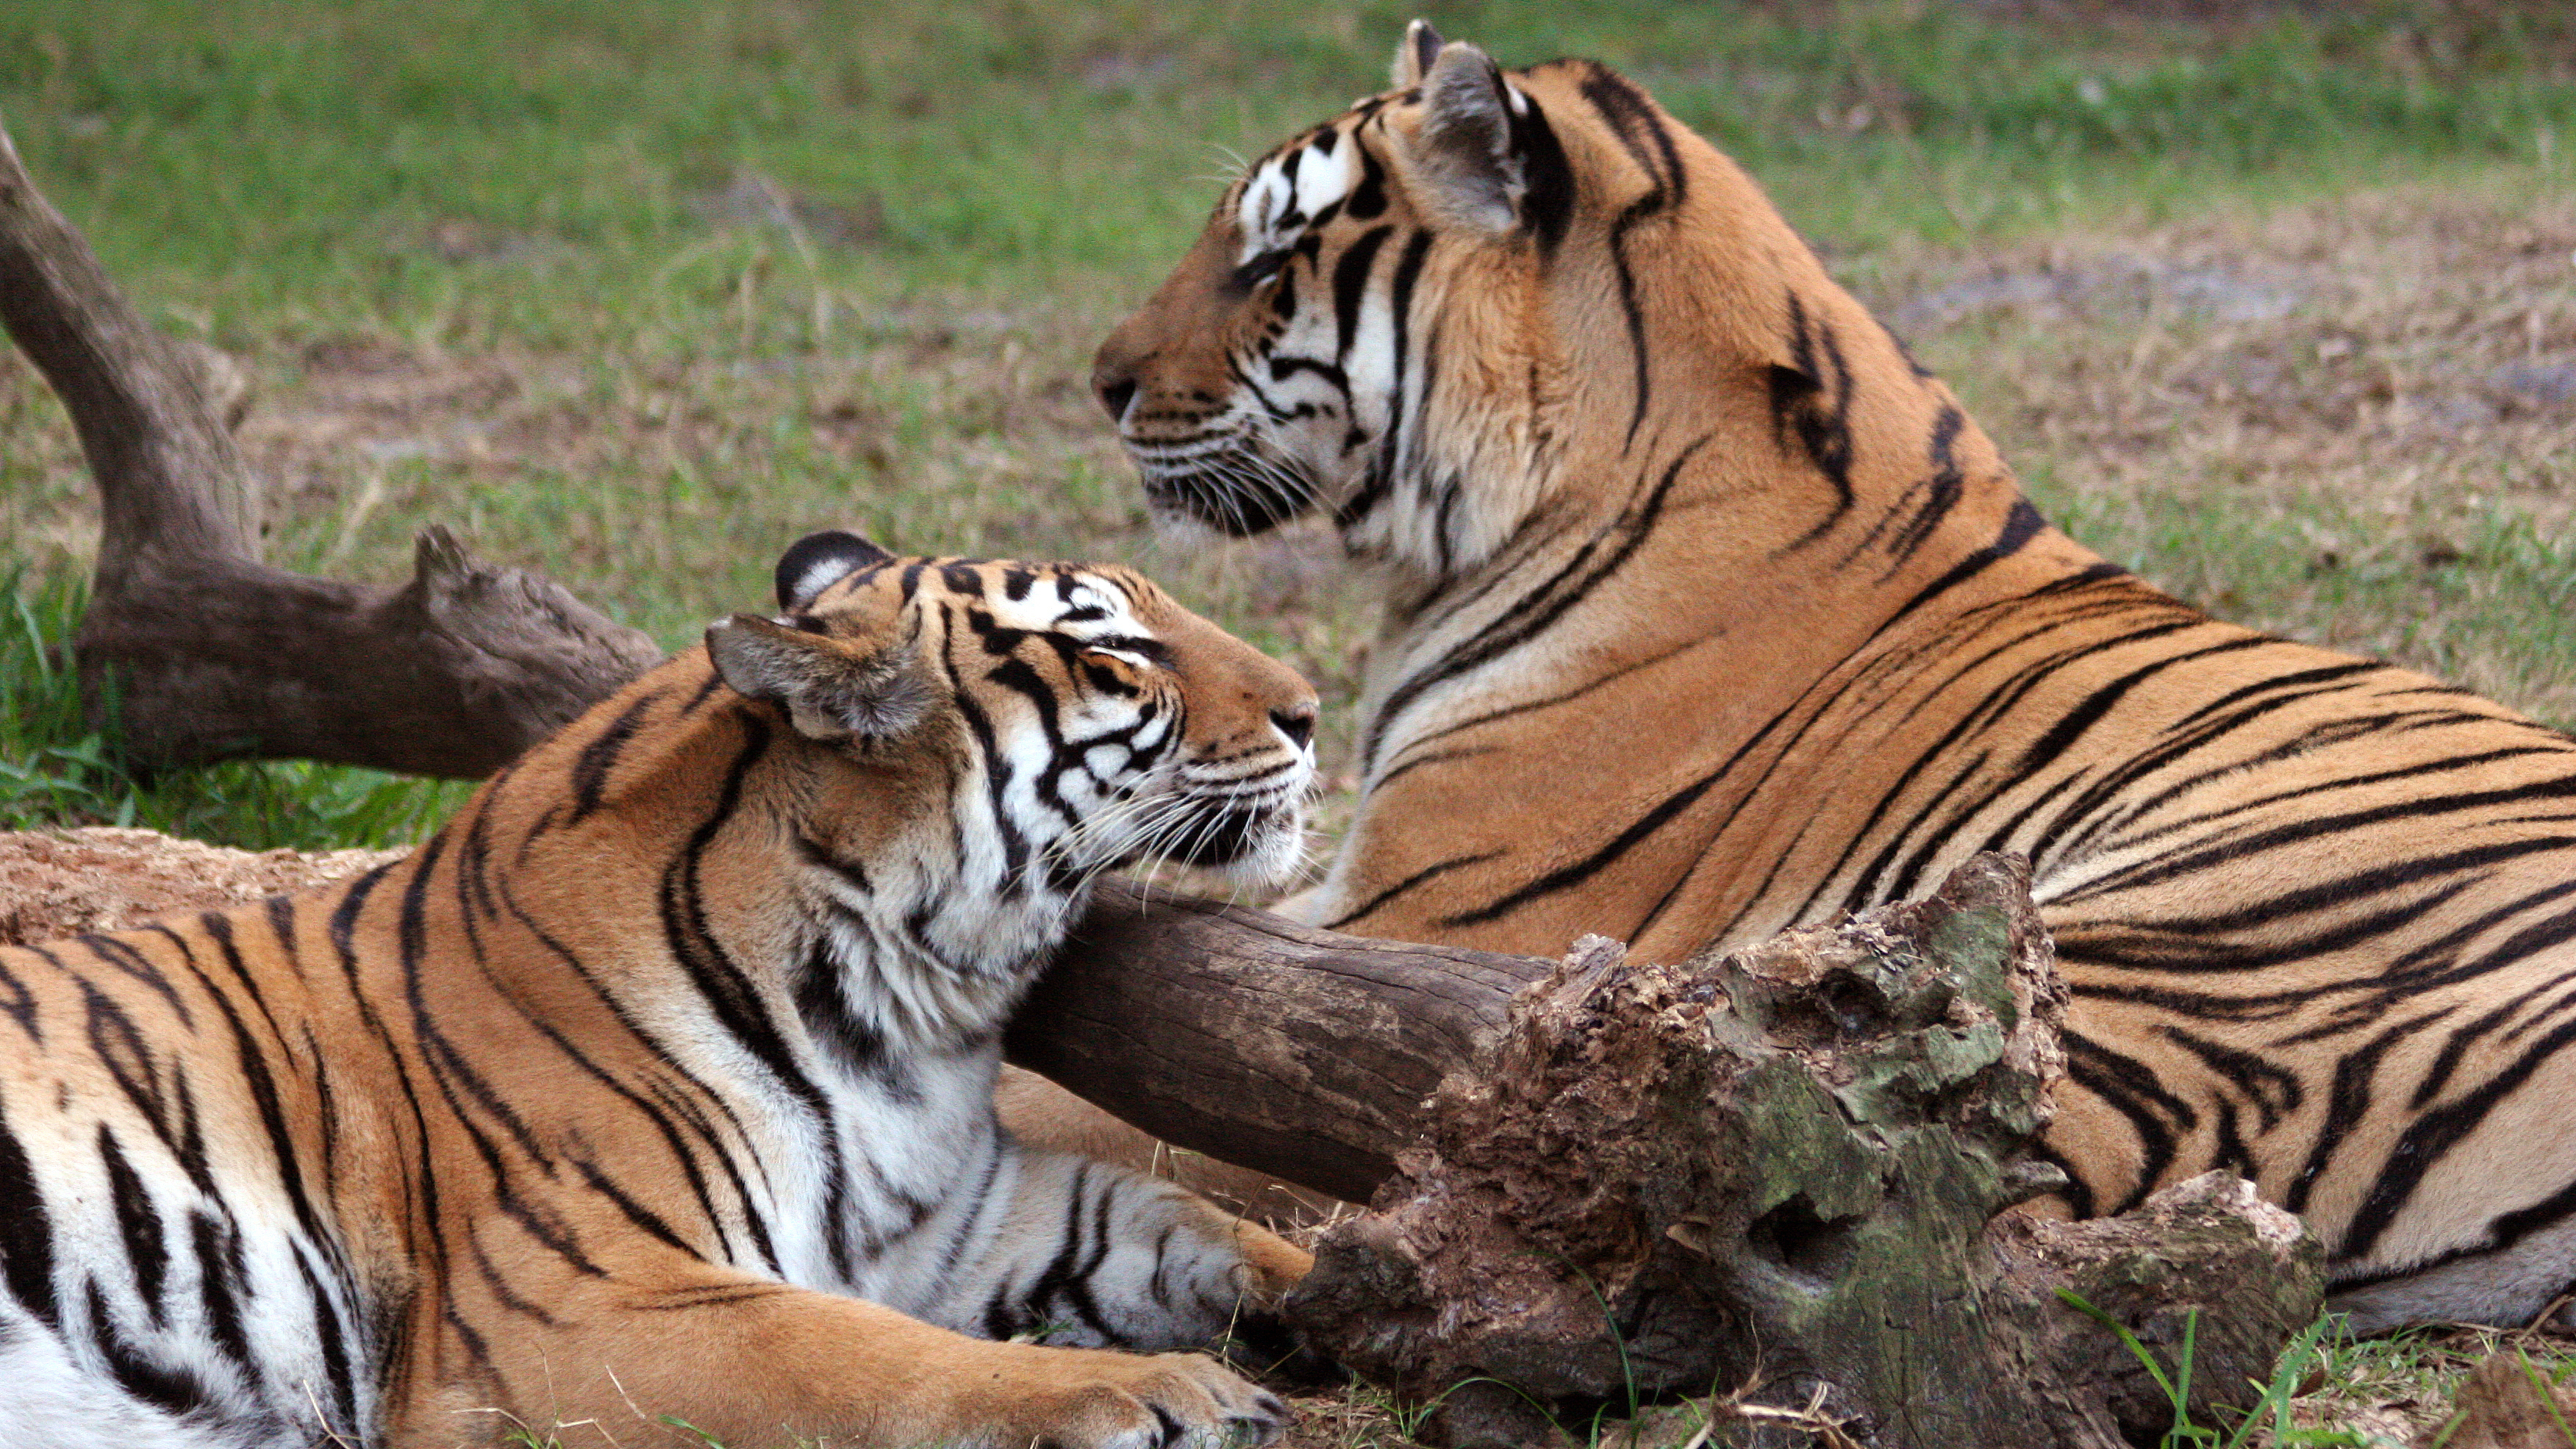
(1714, 614)
(659, 1081)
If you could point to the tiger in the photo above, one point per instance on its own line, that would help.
(1711, 613)
(650, 1098)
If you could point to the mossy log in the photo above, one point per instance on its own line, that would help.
(1782, 1176)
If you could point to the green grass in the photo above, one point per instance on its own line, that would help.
(55, 770)
(637, 293)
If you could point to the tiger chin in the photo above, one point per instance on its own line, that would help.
(658, 1082)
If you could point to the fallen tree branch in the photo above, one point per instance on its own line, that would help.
(1602, 1178)
(209, 654)
(1239, 1034)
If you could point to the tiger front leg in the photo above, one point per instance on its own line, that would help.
(1084, 1252)
(752, 1362)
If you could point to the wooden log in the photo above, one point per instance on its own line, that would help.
(1598, 1178)
(1244, 1036)
(205, 652)
(1785, 1168)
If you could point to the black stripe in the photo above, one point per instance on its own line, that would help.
(1384, 464)
(1941, 492)
(173, 1390)
(138, 1223)
(1547, 178)
(1365, 908)
(591, 767)
(2132, 1089)
(452, 1071)
(2021, 525)
(2432, 1135)
(1351, 274)
(2221, 854)
(1632, 117)
(2348, 1101)
(727, 989)
(124, 957)
(1535, 610)
(334, 1338)
(26, 1232)
(17, 1000)
(264, 1097)
(1812, 398)
(2274, 1091)
(217, 1250)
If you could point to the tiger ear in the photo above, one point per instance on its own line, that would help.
(819, 560)
(1414, 54)
(1463, 154)
(832, 689)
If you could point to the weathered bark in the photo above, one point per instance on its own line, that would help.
(1783, 1167)
(205, 652)
(2509, 1401)
(1239, 1034)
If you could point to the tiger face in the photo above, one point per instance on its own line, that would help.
(1388, 318)
(1085, 719)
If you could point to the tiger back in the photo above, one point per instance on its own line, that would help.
(1714, 614)
(658, 1082)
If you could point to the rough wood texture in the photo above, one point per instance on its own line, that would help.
(215, 655)
(1241, 1035)
(1781, 1167)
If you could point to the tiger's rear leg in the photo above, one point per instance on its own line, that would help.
(2510, 1288)
(1044, 1115)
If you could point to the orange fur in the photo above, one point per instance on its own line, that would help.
(504, 1091)
(1714, 615)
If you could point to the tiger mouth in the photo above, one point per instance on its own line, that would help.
(1240, 490)
(1228, 835)
(1258, 839)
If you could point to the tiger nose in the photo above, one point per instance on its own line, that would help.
(1115, 387)
(1296, 721)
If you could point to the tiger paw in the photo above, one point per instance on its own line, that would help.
(1134, 1401)
(1271, 1265)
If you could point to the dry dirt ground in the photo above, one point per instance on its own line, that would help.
(66, 883)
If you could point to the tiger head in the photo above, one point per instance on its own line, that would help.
(1012, 729)
(1423, 317)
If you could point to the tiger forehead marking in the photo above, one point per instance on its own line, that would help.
(1289, 190)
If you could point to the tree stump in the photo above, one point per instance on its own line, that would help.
(1783, 1169)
